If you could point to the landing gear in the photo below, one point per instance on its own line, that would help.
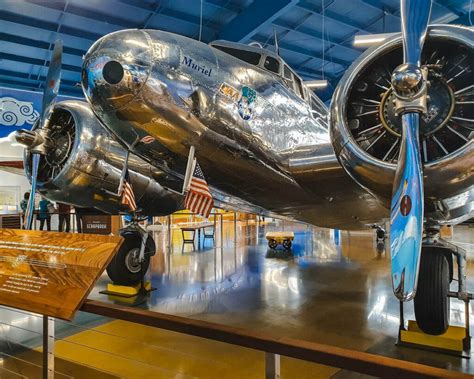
(432, 305)
(431, 300)
(130, 264)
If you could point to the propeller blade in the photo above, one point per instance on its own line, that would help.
(35, 159)
(406, 216)
(52, 81)
(37, 140)
(415, 15)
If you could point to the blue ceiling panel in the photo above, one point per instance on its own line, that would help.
(315, 36)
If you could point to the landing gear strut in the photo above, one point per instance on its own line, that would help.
(130, 264)
(435, 275)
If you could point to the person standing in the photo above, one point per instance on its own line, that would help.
(64, 217)
(24, 205)
(43, 214)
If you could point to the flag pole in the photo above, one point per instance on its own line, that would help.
(189, 170)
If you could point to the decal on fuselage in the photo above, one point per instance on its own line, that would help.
(189, 62)
(246, 102)
(229, 91)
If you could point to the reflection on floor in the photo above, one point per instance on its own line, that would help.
(334, 288)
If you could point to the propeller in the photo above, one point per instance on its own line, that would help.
(37, 141)
(409, 83)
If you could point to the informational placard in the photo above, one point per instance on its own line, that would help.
(51, 273)
(96, 224)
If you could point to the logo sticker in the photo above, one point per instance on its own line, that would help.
(229, 91)
(14, 112)
(405, 205)
(246, 102)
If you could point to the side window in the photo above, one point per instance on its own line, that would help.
(247, 56)
(298, 86)
(287, 72)
(272, 64)
(316, 108)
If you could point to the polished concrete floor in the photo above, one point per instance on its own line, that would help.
(333, 288)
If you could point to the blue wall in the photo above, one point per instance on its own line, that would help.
(19, 109)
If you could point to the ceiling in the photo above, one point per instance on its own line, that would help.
(315, 36)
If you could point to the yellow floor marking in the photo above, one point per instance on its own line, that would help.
(135, 351)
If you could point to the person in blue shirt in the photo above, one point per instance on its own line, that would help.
(43, 214)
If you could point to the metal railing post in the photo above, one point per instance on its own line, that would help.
(48, 347)
(272, 366)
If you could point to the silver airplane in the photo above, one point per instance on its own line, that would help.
(265, 143)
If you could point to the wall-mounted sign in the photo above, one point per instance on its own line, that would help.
(19, 109)
(51, 273)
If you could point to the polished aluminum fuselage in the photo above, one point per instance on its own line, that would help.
(280, 161)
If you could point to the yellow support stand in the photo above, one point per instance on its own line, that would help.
(127, 291)
(130, 295)
(451, 341)
(455, 341)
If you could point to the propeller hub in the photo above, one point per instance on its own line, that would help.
(407, 80)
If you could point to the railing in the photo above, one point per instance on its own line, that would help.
(37, 327)
(352, 360)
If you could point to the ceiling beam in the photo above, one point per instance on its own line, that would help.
(257, 16)
(38, 44)
(36, 61)
(46, 25)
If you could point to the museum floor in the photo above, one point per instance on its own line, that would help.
(334, 288)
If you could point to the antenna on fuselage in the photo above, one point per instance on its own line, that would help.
(277, 48)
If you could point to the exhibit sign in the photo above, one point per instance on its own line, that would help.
(51, 273)
(20, 109)
(96, 224)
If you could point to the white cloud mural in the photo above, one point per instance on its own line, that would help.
(14, 112)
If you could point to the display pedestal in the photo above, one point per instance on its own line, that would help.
(128, 291)
(455, 341)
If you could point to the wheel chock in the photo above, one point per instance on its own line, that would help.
(455, 341)
(127, 291)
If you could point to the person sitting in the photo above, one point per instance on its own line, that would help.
(43, 214)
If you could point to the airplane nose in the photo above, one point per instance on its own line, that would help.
(116, 68)
(113, 72)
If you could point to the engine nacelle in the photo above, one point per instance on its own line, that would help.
(85, 167)
(366, 131)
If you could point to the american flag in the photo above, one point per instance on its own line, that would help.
(128, 198)
(198, 198)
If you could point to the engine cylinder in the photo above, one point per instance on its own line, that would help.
(85, 165)
(366, 129)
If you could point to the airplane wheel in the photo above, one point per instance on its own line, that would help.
(431, 300)
(272, 244)
(125, 269)
(287, 244)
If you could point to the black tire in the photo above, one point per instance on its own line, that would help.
(287, 244)
(431, 300)
(123, 269)
(272, 244)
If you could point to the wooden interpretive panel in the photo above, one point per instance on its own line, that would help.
(51, 273)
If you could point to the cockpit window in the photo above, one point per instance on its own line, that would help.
(272, 64)
(247, 56)
(287, 72)
(299, 87)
